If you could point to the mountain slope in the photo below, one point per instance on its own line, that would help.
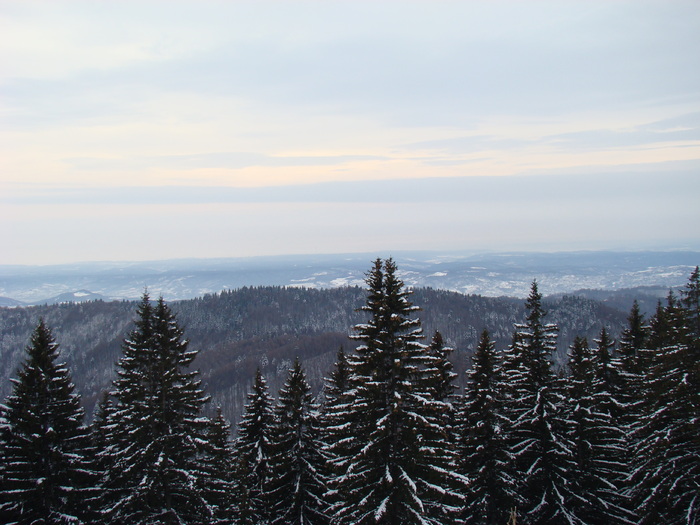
(237, 331)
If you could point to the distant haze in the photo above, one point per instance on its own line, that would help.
(151, 130)
(494, 274)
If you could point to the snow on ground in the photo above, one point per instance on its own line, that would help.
(490, 275)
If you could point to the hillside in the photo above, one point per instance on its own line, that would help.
(237, 331)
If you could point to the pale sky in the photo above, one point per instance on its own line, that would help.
(136, 130)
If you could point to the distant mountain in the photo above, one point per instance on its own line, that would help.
(7, 302)
(504, 274)
(80, 296)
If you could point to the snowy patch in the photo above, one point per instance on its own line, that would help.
(302, 285)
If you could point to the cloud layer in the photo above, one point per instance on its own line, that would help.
(273, 106)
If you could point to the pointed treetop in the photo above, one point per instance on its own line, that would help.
(534, 304)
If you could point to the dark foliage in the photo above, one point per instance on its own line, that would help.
(611, 439)
(155, 431)
(44, 440)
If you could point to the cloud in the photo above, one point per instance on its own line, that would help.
(225, 160)
(624, 213)
(418, 64)
(664, 182)
(684, 128)
(468, 144)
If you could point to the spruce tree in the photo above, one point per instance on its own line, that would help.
(157, 429)
(598, 444)
(337, 384)
(537, 425)
(584, 423)
(297, 480)
(634, 363)
(633, 340)
(440, 369)
(633, 356)
(218, 468)
(44, 440)
(399, 471)
(437, 376)
(100, 448)
(667, 464)
(438, 373)
(607, 365)
(253, 452)
(484, 456)
(338, 431)
(690, 300)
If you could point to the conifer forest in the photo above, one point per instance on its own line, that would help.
(392, 438)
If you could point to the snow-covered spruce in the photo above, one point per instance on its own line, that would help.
(400, 466)
(298, 483)
(664, 482)
(253, 477)
(483, 450)
(44, 465)
(155, 432)
(536, 428)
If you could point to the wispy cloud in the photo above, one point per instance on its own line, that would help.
(679, 182)
(225, 160)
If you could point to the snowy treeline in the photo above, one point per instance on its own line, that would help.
(388, 441)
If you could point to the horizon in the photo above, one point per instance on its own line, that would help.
(488, 274)
(371, 256)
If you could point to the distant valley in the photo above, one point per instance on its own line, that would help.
(493, 275)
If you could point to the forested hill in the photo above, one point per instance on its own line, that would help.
(237, 331)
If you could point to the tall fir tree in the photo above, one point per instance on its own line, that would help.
(399, 471)
(440, 369)
(298, 482)
(440, 377)
(667, 465)
(597, 441)
(583, 418)
(634, 363)
(100, 430)
(484, 456)
(537, 424)
(690, 300)
(217, 483)
(44, 440)
(156, 426)
(607, 364)
(338, 431)
(633, 340)
(337, 384)
(253, 450)
(633, 356)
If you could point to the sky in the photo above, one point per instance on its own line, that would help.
(149, 130)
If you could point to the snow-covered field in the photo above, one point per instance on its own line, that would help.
(505, 274)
